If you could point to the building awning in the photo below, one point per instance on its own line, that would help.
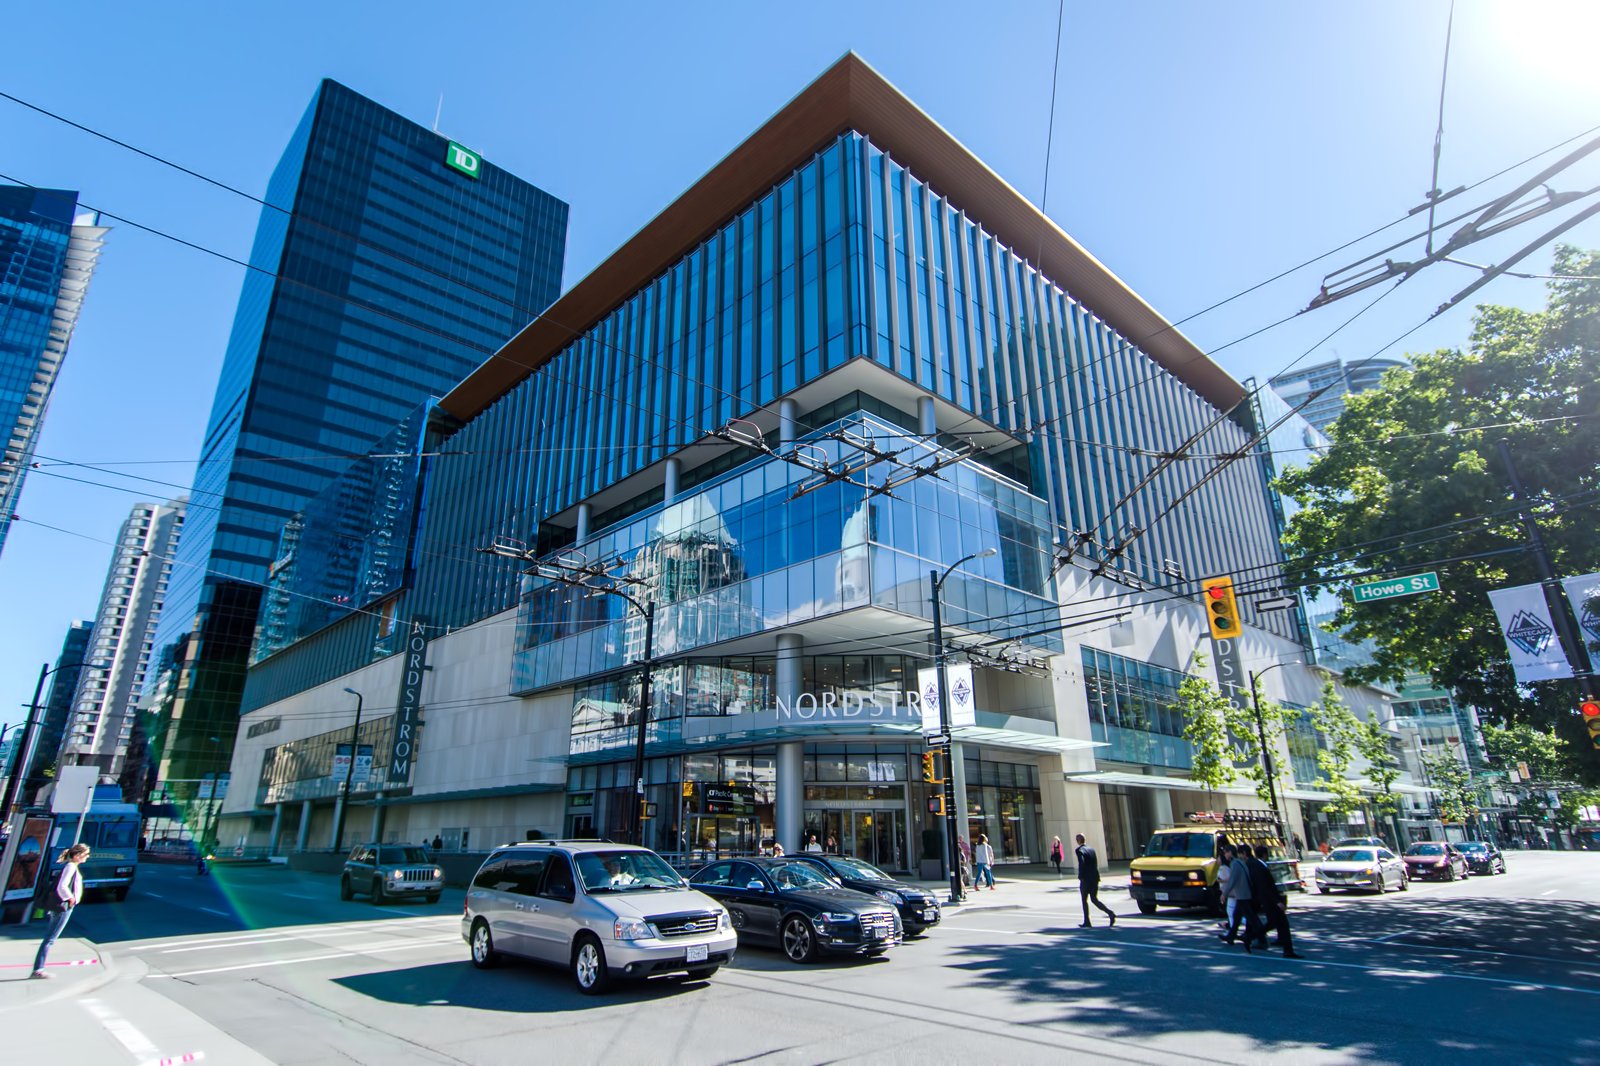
(1309, 794)
(494, 792)
(1018, 740)
(1115, 777)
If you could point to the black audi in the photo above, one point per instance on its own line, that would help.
(792, 905)
(917, 906)
(1482, 857)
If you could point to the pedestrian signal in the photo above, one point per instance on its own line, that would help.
(936, 805)
(1590, 709)
(1222, 610)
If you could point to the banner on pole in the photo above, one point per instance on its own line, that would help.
(963, 711)
(1530, 635)
(1580, 590)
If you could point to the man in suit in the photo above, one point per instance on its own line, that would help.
(1270, 904)
(1089, 881)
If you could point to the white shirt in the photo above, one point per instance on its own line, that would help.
(984, 853)
(69, 888)
(814, 846)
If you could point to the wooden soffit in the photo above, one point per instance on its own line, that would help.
(850, 95)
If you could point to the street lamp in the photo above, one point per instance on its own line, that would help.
(951, 844)
(349, 773)
(23, 763)
(1261, 734)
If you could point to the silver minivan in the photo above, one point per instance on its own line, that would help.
(601, 910)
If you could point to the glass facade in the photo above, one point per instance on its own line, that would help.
(744, 554)
(385, 277)
(46, 257)
(1131, 709)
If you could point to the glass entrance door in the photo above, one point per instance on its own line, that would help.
(877, 835)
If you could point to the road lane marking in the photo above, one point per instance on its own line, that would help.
(125, 1032)
(219, 914)
(1381, 971)
(290, 930)
(264, 938)
(1552, 892)
(363, 950)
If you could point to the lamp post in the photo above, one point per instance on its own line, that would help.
(952, 846)
(23, 763)
(349, 774)
(1261, 734)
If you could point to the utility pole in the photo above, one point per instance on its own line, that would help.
(349, 774)
(1560, 613)
(24, 760)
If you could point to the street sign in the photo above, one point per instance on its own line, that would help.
(936, 740)
(1395, 587)
(1276, 603)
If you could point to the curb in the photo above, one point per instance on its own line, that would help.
(64, 989)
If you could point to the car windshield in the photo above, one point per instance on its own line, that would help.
(799, 876)
(864, 871)
(1425, 849)
(625, 871)
(1352, 855)
(1181, 846)
(1473, 845)
(392, 856)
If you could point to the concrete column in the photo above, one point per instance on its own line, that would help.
(338, 810)
(958, 772)
(305, 825)
(788, 415)
(585, 516)
(789, 813)
(277, 825)
(927, 422)
(669, 485)
(1161, 807)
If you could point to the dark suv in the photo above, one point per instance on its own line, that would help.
(391, 871)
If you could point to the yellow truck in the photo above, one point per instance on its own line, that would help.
(1178, 867)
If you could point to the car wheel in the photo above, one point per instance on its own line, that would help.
(1450, 873)
(1146, 908)
(1502, 866)
(705, 973)
(345, 891)
(589, 966)
(379, 896)
(1405, 882)
(1324, 889)
(799, 942)
(484, 956)
(915, 930)
(433, 898)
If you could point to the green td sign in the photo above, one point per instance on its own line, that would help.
(1395, 587)
(464, 159)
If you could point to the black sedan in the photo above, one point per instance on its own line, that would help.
(793, 905)
(917, 906)
(1482, 857)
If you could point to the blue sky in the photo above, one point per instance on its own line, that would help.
(1198, 149)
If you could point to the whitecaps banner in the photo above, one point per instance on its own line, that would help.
(1531, 638)
(1580, 590)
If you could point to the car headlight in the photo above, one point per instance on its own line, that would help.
(438, 871)
(395, 874)
(724, 922)
(1135, 876)
(889, 897)
(631, 929)
(834, 918)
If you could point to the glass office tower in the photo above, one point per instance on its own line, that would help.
(389, 263)
(48, 251)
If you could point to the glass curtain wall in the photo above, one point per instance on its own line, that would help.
(1131, 709)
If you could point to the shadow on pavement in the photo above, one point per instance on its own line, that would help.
(523, 988)
(1377, 1002)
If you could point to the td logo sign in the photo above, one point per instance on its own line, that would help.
(464, 159)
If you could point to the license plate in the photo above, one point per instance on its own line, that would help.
(697, 953)
(929, 916)
(1162, 896)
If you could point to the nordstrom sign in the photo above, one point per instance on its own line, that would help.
(408, 708)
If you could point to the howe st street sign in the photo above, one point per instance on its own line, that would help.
(1395, 587)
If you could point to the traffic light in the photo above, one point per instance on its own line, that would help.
(930, 773)
(1590, 709)
(1222, 610)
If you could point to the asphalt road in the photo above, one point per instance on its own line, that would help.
(268, 959)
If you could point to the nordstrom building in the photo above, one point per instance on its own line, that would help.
(848, 360)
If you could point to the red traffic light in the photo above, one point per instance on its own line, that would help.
(1590, 708)
(1217, 593)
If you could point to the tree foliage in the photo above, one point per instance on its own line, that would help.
(1452, 783)
(1415, 482)
(1224, 737)
(1547, 756)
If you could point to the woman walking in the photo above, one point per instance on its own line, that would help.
(1055, 855)
(65, 896)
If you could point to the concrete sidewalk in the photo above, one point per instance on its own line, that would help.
(76, 968)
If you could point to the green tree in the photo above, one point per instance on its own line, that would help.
(1414, 481)
(1547, 756)
(1206, 713)
(1458, 797)
(1383, 769)
(1340, 729)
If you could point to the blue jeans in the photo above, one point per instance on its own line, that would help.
(984, 873)
(54, 923)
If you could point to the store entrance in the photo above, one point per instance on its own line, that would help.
(877, 835)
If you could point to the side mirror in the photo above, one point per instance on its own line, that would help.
(1141, 851)
(756, 886)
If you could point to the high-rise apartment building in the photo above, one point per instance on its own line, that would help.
(103, 707)
(48, 251)
(1332, 382)
(392, 261)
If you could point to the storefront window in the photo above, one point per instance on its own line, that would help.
(1003, 803)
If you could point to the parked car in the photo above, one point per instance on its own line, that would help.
(1435, 860)
(391, 871)
(1482, 857)
(603, 911)
(918, 907)
(791, 904)
(1370, 869)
